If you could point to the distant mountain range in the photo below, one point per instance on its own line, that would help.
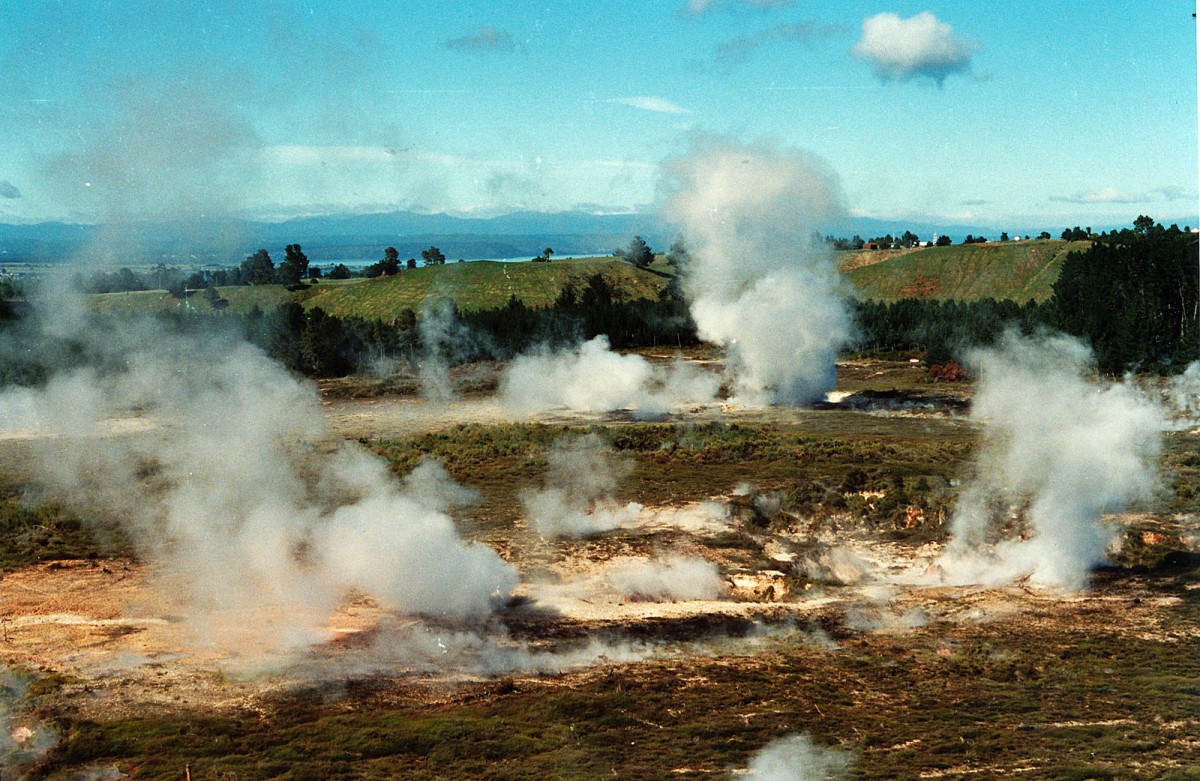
(350, 237)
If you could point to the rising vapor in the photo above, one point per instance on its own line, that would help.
(577, 498)
(1068, 447)
(230, 489)
(798, 758)
(762, 282)
(591, 378)
(674, 578)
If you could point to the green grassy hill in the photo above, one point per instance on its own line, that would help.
(1017, 270)
(481, 284)
(473, 286)
(1014, 270)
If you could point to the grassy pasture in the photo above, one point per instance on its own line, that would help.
(1011, 270)
(473, 286)
(1016, 270)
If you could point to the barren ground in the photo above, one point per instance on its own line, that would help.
(829, 620)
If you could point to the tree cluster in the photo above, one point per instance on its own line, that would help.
(321, 345)
(159, 277)
(887, 241)
(941, 330)
(1133, 294)
(638, 252)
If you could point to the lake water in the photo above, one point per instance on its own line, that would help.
(358, 263)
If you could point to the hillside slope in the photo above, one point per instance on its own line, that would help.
(481, 284)
(473, 286)
(1019, 271)
(1016, 270)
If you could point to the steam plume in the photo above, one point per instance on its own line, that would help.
(224, 487)
(444, 340)
(592, 378)
(676, 578)
(22, 738)
(178, 156)
(761, 282)
(577, 498)
(798, 758)
(1183, 393)
(1071, 447)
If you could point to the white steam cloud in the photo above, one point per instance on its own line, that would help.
(761, 281)
(921, 45)
(1068, 447)
(582, 476)
(798, 758)
(1183, 393)
(228, 489)
(591, 378)
(23, 738)
(444, 341)
(675, 578)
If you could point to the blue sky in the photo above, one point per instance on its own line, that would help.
(1021, 113)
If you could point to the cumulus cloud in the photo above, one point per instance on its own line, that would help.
(1100, 195)
(8, 189)
(651, 103)
(921, 45)
(485, 39)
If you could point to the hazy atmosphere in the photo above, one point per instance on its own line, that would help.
(1009, 114)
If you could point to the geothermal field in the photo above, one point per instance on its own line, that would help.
(911, 581)
(748, 559)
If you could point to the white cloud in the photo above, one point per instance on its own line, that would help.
(651, 103)
(918, 46)
(301, 179)
(1174, 193)
(1101, 195)
(740, 49)
(699, 7)
(1118, 196)
(485, 39)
